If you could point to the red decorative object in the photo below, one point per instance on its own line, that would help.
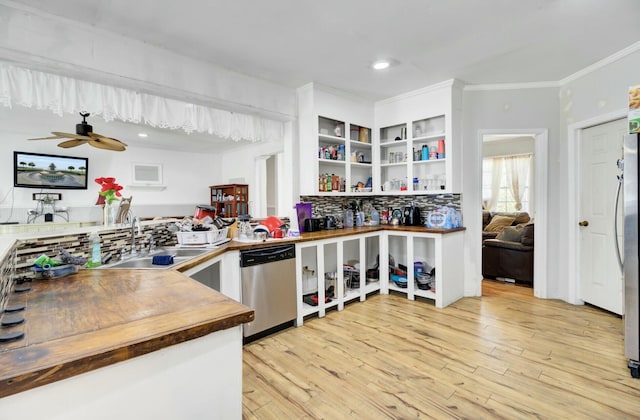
(110, 189)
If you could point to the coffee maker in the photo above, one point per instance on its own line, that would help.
(411, 216)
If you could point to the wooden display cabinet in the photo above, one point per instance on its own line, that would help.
(230, 200)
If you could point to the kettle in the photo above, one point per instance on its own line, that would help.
(330, 222)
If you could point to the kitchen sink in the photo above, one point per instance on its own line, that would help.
(181, 252)
(180, 255)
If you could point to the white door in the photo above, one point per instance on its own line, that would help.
(600, 275)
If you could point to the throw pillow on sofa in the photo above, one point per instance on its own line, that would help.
(510, 234)
(498, 223)
(527, 234)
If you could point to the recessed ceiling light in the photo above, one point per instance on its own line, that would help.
(381, 65)
(143, 135)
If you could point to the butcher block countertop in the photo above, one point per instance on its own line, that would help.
(305, 237)
(96, 318)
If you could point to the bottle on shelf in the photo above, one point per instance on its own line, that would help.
(359, 217)
(425, 152)
(384, 217)
(335, 182)
(348, 218)
(441, 149)
(375, 217)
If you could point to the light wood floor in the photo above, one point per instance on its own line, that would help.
(505, 355)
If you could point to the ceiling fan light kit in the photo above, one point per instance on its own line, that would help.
(84, 134)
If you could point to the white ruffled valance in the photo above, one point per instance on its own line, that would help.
(35, 89)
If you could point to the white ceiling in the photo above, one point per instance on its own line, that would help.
(334, 42)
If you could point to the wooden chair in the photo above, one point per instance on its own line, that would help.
(123, 212)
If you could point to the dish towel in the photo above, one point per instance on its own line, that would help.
(162, 260)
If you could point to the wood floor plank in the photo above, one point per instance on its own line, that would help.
(505, 355)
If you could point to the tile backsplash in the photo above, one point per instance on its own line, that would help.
(329, 205)
(78, 245)
(19, 259)
(7, 276)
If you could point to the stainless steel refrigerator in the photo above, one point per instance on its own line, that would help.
(631, 274)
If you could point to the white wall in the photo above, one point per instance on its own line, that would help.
(595, 93)
(517, 109)
(187, 177)
(599, 92)
(595, 98)
(243, 163)
(514, 146)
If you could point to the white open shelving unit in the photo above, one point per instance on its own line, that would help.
(401, 125)
(353, 163)
(439, 250)
(330, 255)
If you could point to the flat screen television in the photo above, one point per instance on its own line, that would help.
(37, 170)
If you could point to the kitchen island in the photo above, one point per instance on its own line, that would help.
(123, 344)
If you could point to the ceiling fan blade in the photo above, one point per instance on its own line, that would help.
(100, 144)
(107, 139)
(72, 143)
(48, 138)
(70, 136)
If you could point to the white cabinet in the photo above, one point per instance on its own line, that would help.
(331, 119)
(323, 267)
(441, 251)
(425, 118)
(413, 156)
(221, 273)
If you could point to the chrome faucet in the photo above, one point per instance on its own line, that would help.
(135, 221)
(152, 243)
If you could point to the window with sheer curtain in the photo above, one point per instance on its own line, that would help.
(505, 183)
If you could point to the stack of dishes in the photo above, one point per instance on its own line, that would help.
(424, 281)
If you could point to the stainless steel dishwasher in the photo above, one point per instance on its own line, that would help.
(268, 277)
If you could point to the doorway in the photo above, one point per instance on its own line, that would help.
(538, 205)
(268, 196)
(272, 186)
(508, 185)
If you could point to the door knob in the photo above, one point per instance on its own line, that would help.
(584, 223)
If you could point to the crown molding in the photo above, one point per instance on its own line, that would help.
(437, 86)
(602, 63)
(562, 82)
(513, 86)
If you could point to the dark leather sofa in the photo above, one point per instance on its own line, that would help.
(510, 254)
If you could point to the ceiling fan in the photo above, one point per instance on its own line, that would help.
(84, 134)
